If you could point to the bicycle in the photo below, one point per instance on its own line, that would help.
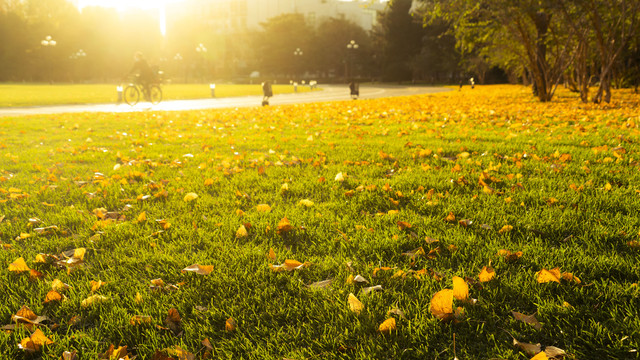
(133, 90)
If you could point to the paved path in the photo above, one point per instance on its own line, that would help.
(329, 93)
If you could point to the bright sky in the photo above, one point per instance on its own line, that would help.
(123, 5)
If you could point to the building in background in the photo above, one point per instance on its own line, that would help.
(224, 16)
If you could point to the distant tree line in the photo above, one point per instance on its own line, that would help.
(543, 43)
(97, 45)
(579, 43)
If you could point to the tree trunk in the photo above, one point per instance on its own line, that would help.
(541, 21)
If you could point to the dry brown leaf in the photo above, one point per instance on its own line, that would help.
(529, 319)
(321, 284)
(173, 321)
(530, 349)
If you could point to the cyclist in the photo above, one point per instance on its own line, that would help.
(146, 77)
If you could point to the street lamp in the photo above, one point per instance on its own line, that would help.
(201, 49)
(297, 54)
(352, 46)
(80, 54)
(48, 42)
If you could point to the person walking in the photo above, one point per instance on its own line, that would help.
(267, 92)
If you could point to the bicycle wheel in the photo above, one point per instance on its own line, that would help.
(156, 94)
(131, 95)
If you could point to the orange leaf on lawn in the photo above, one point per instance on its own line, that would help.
(442, 304)
(460, 288)
(284, 226)
(199, 269)
(387, 326)
(19, 266)
(354, 304)
(545, 276)
(486, 274)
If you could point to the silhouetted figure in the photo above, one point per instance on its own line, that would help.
(354, 89)
(145, 76)
(267, 92)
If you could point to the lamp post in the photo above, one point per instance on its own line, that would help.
(352, 46)
(46, 43)
(297, 54)
(80, 54)
(178, 59)
(201, 50)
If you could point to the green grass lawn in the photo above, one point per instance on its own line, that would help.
(409, 193)
(18, 95)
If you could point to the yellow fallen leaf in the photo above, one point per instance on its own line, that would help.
(272, 254)
(442, 304)
(460, 288)
(354, 304)
(58, 285)
(486, 274)
(142, 217)
(208, 182)
(95, 285)
(545, 276)
(540, 356)
(284, 226)
(505, 229)
(19, 266)
(230, 324)
(241, 232)
(93, 300)
(387, 325)
(305, 202)
(263, 208)
(190, 197)
(140, 320)
(339, 177)
(79, 253)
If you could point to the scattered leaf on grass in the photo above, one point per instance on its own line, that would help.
(114, 353)
(371, 288)
(242, 232)
(35, 342)
(69, 355)
(354, 304)
(140, 320)
(442, 304)
(529, 319)
(552, 351)
(487, 274)
(190, 197)
(545, 276)
(230, 324)
(305, 202)
(173, 321)
(142, 217)
(530, 349)
(505, 229)
(19, 266)
(321, 284)
(540, 356)
(460, 289)
(199, 269)
(387, 325)
(264, 208)
(360, 279)
(272, 254)
(52, 295)
(95, 285)
(289, 265)
(397, 312)
(284, 226)
(93, 300)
